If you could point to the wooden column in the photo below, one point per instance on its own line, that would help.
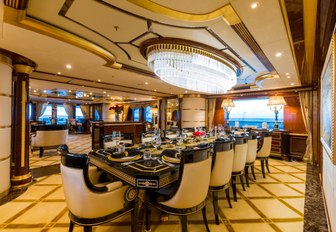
(5, 122)
(20, 130)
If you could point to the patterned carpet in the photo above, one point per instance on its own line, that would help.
(275, 203)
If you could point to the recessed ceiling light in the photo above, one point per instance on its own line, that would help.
(288, 76)
(90, 93)
(68, 66)
(254, 5)
(99, 80)
(104, 92)
(69, 90)
(44, 91)
(92, 98)
(108, 95)
(146, 83)
(34, 90)
(154, 90)
(135, 98)
(59, 73)
(292, 83)
(278, 54)
(29, 87)
(186, 91)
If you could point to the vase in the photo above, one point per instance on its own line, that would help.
(117, 117)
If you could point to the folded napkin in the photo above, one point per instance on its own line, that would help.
(169, 153)
(134, 152)
(118, 155)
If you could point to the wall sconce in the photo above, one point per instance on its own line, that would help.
(276, 104)
(227, 105)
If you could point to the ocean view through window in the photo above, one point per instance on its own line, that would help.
(253, 112)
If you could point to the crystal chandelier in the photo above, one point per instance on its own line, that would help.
(190, 65)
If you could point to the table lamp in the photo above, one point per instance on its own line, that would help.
(276, 103)
(227, 105)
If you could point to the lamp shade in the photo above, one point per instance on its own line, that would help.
(276, 101)
(227, 103)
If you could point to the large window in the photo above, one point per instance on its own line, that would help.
(254, 113)
(79, 114)
(148, 114)
(62, 116)
(136, 114)
(46, 116)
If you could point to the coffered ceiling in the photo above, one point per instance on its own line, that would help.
(101, 39)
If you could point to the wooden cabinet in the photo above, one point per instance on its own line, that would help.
(297, 146)
(279, 147)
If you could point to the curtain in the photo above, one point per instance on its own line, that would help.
(69, 110)
(85, 110)
(211, 112)
(40, 109)
(126, 107)
(306, 109)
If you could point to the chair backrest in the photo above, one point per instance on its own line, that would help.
(194, 179)
(252, 146)
(222, 163)
(82, 197)
(240, 153)
(265, 150)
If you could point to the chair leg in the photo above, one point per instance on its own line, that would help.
(267, 165)
(253, 174)
(147, 216)
(41, 152)
(134, 216)
(215, 206)
(234, 190)
(71, 226)
(227, 191)
(262, 162)
(184, 222)
(242, 181)
(87, 228)
(246, 176)
(205, 219)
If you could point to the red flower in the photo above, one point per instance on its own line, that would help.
(118, 109)
(199, 133)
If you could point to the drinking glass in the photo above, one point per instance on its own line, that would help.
(116, 136)
(156, 141)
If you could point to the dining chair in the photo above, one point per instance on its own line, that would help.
(239, 160)
(264, 153)
(252, 146)
(191, 188)
(91, 203)
(222, 162)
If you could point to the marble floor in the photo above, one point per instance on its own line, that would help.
(274, 203)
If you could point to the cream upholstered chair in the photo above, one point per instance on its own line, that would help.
(191, 190)
(221, 172)
(89, 202)
(264, 153)
(252, 146)
(239, 160)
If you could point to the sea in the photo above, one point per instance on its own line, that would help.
(255, 122)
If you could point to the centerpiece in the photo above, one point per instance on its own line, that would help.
(118, 109)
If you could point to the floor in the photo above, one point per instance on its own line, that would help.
(276, 203)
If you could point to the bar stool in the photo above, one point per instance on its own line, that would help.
(239, 160)
(252, 146)
(222, 162)
(264, 153)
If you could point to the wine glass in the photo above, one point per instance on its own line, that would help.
(116, 136)
(156, 141)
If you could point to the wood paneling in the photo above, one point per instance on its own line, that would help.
(219, 113)
(293, 120)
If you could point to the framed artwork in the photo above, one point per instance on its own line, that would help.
(328, 130)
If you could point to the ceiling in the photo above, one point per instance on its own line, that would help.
(101, 39)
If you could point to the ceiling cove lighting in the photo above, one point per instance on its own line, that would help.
(191, 65)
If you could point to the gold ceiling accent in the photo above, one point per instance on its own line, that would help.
(225, 11)
(19, 18)
(260, 79)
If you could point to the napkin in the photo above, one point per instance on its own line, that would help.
(169, 153)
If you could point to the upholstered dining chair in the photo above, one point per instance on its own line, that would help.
(252, 147)
(239, 160)
(191, 190)
(91, 203)
(222, 162)
(264, 153)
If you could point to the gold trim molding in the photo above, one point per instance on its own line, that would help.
(5, 95)
(7, 126)
(20, 178)
(2, 159)
(21, 68)
(260, 79)
(19, 18)
(226, 11)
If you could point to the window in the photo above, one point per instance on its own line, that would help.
(148, 114)
(253, 113)
(62, 116)
(96, 115)
(79, 114)
(46, 116)
(136, 114)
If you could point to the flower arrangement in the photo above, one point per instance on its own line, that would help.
(117, 108)
(199, 133)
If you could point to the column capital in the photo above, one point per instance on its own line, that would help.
(23, 68)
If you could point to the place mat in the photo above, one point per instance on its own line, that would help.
(123, 157)
(170, 159)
